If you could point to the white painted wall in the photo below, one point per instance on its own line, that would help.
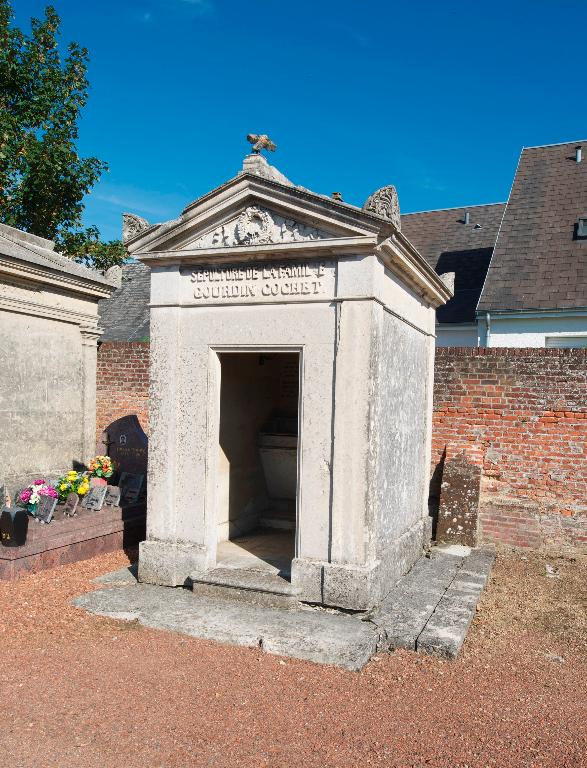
(456, 335)
(525, 331)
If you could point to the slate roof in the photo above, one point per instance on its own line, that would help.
(125, 315)
(538, 263)
(447, 244)
(450, 245)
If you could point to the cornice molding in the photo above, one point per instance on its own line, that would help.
(38, 276)
(400, 256)
(274, 251)
(87, 321)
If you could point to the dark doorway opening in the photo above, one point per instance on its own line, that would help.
(258, 461)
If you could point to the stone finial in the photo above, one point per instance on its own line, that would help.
(260, 141)
(114, 275)
(384, 202)
(258, 165)
(132, 225)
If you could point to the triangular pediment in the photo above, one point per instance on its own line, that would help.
(250, 211)
(257, 225)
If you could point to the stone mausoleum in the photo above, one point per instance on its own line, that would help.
(48, 346)
(292, 349)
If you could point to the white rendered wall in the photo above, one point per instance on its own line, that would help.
(458, 336)
(523, 331)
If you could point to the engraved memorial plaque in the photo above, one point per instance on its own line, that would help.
(46, 509)
(131, 486)
(112, 498)
(70, 508)
(94, 498)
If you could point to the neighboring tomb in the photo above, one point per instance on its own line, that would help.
(67, 538)
(49, 331)
(274, 306)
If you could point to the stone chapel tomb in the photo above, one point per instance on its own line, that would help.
(292, 348)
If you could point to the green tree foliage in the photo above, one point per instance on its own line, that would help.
(91, 251)
(43, 180)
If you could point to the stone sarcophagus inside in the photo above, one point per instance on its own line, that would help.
(292, 346)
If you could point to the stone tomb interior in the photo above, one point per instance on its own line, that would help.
(258, 457)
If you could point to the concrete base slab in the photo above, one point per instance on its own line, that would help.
(430, 610)
(318, 636)
(123, 576)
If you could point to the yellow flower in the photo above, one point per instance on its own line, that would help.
(63, 487)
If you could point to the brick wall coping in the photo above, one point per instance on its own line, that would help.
(510, 352)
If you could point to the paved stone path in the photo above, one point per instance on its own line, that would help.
(430, 609)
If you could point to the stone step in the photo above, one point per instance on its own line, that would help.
(245, 596)
(247, 579)
(431, 607)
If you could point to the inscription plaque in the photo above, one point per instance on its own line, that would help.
(112, 498)
(46, 509)
(70, 508)
(130, 488)
(262, 282)
(94, 498)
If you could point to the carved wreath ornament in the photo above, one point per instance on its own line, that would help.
(254, 227)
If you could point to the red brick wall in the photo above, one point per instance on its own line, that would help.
(122, 386)
(521, 415)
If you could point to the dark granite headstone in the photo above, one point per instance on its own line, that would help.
(14, 523)
(131, 486)
(94, 498)
(127, 445)
(70, 508)
(46, 509)
(112, 496)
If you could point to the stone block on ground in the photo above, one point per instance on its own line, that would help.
(459, 501)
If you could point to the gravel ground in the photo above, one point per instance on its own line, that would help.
(80, 690)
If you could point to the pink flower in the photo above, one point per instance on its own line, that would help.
(39, 482)
(26, 495)
(48, 491)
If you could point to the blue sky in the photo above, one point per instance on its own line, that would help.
(437, 98)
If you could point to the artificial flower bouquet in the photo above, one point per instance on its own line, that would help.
(31, 495)
(101, 466)
(73, 482)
